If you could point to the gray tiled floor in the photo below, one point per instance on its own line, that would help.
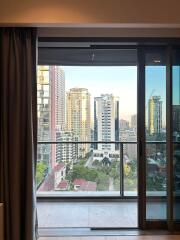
(80, 214)
(165, 237)
(96, 214)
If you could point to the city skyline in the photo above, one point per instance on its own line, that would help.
(119, 81)
(57, 75)
(65, 113)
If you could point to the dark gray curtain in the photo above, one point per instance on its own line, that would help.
(18, 133)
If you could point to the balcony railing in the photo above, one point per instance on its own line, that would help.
(111, 173)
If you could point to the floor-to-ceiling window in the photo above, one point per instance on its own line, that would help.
(89, 147)
(87, 135)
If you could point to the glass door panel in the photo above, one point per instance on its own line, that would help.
(155, 134)
(176, 131)
(87, 137)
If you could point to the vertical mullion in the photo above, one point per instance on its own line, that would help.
(122, 157)
(169, 141)
(121, 171)
(141, 138)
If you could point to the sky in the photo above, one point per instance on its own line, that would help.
(155, 85)
(119, 81)
(176, 85)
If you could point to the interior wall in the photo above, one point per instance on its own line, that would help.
(57, 12)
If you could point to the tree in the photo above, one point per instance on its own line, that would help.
(40, 172)
(79, 171)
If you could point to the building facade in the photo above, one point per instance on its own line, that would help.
(67, 153)
(44, 114)
(78, 117)
(57, 83)
(106, 125)
(155, 115)
(51, 110)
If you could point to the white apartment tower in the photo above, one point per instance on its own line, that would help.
(106, 121)
(67, 153)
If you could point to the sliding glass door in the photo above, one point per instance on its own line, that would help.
(87, 132)
(159, 165)
(109, 129)
(176, 133)
(155, 134)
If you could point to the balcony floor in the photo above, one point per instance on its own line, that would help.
(95, 214)
(77, 218)
(87, 214)
(170, 237)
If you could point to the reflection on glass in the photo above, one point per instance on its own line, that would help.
(130, 169)
(176, 131)
(155, 81)
(156, 169)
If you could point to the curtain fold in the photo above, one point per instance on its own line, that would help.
(18, 127)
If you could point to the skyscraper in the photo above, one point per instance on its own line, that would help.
(78, 116)
(51, 110)
(155, 115)
(57, 83)
(57, 78)
(106, 121)
(44, 114)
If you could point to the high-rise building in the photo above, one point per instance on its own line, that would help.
(57, 78)
(51, 110)
(44, 114)
(106, 123)
(78, 116)
(67, 153)
(155, 115)
(57, 83)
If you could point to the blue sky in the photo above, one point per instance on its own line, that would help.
(120, 81)
(156, 85)
(176, 85)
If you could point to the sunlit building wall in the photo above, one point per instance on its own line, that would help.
(78, 116)
(155, 115)
(57, 81)
(44, 114)
(106, 123)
